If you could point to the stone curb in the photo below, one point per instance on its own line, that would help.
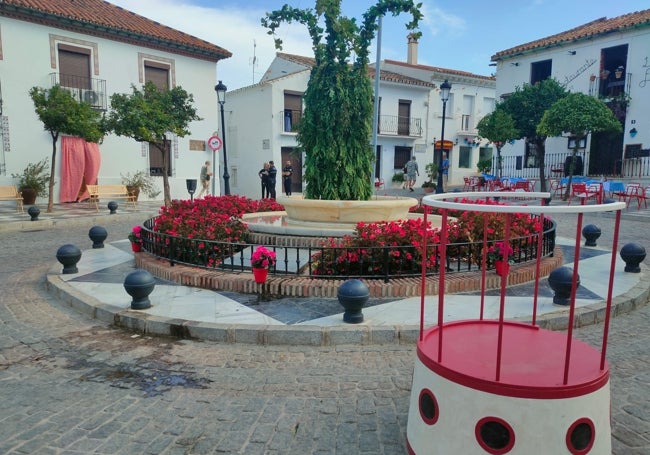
(307, 335)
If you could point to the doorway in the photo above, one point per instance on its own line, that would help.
(292, 154)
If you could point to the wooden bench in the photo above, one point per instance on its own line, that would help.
(11, 193)
(109, 192)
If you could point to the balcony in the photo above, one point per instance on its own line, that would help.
(88, 90)
(393, 125)
(290, 120)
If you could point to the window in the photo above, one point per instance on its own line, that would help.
(468, 110)
(531, 158)
(485, 153)
(158, 73)
(402, 155)
(292, 110)
(464, 157)
(540, 71)
(74, 66)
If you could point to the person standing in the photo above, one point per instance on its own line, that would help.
(204, 178)
(411, 172)
(445, 171)
(273, 172)
(287, 172)
(264, 179)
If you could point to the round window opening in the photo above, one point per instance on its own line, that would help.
(580, 437)
(495, 435)
(428, 407)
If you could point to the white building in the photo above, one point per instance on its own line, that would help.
(97, 49)
(262, 119)
(608, 58)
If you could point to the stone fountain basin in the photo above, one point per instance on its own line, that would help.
(379, 208)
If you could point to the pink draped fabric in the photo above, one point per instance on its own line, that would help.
(80, 162)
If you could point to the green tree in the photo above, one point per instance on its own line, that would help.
(527, 106)
(62, 114)
(336, 128)
(151, 115)
(499, 127)
(579, 115)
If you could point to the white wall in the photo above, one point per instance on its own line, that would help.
(26, 63)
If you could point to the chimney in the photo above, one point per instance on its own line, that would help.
(412, 57)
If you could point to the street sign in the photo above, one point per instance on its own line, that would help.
(215, 143)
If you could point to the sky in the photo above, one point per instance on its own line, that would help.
(456, 34)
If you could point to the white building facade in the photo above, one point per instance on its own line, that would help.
(409, 121)
(100, 51)
(606, 58)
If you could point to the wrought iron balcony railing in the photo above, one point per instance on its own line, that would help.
(86, 89)
(399, 126)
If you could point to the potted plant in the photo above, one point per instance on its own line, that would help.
(34, 181)
(431, 170)
(398, 179)
(138, 182)
(484, 166)
(495, 255)
(135, 236)
(261, 260)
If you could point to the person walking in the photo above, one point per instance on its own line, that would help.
(204, 178)
(264, 179)
(411, 172)
(445, 171)
(287, 172)
(273, 172)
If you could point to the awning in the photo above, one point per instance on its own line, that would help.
(448, 145)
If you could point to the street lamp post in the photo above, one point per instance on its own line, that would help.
(220, 88)
(445, 88)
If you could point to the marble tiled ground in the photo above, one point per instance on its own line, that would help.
(102, 272)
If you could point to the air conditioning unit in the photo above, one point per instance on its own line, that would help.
(89, 96)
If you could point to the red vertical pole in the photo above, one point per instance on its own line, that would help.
(424, 274)
(484, 263)
(572, 308)
(540, 239)
(442, 267)
(502, 303)
(603, 350)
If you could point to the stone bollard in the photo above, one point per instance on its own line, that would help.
(112, 207)
(591, 233)
(353, 295)
(633, 254)
(68, 255)
(561, 280)
(33, 212)
(97, 234)
(139, 284)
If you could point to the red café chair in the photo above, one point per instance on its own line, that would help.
(467, 184)
(634, 191)
(521, 186)
(379, 184)
(474, 184)
(595, 190)
(579, 191)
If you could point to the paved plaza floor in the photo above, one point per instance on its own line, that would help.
(76, 385)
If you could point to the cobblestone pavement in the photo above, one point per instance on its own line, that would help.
(73, 386)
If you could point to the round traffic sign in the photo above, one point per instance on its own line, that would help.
(215, 143)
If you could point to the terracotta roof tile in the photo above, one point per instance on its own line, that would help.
(441, 70)
(387, 76)
(589, 30)
(101, 18)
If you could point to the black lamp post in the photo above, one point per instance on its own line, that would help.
(445, 88)
(221, 97)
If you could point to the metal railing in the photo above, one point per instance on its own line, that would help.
(328, 262)
(86, 89)
(400, 126)
(290, 120)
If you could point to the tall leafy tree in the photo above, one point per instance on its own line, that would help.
(62, 114)
(579, 115)
(336, 128)
(526, 105)
(499, 127)
(151, 115)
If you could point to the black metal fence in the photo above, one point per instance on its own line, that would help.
(327, 262)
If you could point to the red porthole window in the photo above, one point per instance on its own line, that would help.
(580, 436)
(495, 435)
(428, 407)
